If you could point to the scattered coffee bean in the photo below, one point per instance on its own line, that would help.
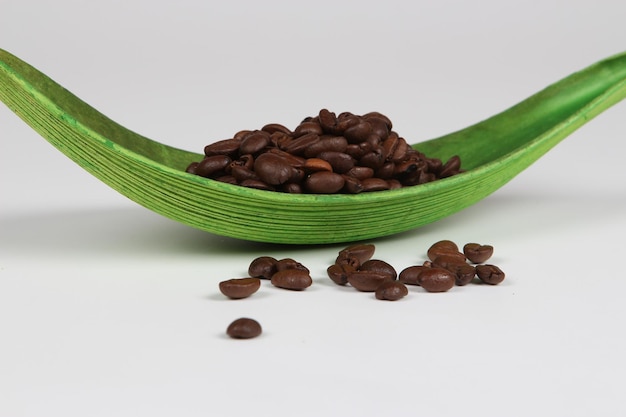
(237, 288)
(490, 274)
(354, 153)
(244, 328)
(442, 247)
(465, 273)
(410, 275)
(477, 253)
(367, 281)
(292, 279)
(356, 255)
(437, 279)
(382, 267)
(263, 267)
(391, 291)
(339, 273)
(288, 263)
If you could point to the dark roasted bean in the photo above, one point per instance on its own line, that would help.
(374, 184)
(326, 144)
(359, 132)
(490, 274)
(451, 167)
(273, 169)
(352, 185)
(382, 267)
(212, 164)
(410, 275)
(373, 159)
(263, 267)
(290, 264)
(449, 260)
(257, 184)
(391, 291)
(465, 274)
(298, 146)
(276, 127)
(254, 142)
(328, 121)
(292, 279)
(308, 128)
(341, 162)
(339, 273)
(477, 253)
(317, 164)
(356, 255)
(324, 182)
(361, 173)
(223, 147)
(367, 281)
(237, 288)
(441, 248)
(437, 279)
(244, 328)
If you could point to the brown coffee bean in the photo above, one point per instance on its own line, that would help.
(352, 185)
(328, 120)
(367, 281)
(359, 132)
(324, 182)
(477, 253)
(326, 144)
(410, 275)
(237, 288)
(299, 145)
(316, 164)
(382, 267)
(374, 184)
(292, 279)
(451, 167)
(273, 169)
(437, 279)
(339, 273)
(276, 127)
(290, 264)
(244, 328)
(263, 267)
(490, 274)
(391, 291)
(449, 260)
(355, 255)
(360, 173)
(223, 147)
(257, 184)
(341, 162)
(212, 164)
(465, 274)
(307, 128)
(374, 158)
(254, 142)
(441, 248)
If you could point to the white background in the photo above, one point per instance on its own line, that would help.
(107, 309)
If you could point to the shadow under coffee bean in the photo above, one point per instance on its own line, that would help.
(325, 154)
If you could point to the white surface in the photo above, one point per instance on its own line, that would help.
(107, 309)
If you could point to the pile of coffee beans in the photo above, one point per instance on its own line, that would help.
(447, 266)
(325, 154)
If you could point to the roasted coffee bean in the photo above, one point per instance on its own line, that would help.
(326, 144)
(477, 253)
(299, 145)
(276, 127)
(410, 275)
(324, 182)
(212, 164)
(437, 279)
(244, 328)
(223, 147)
(308, 127)
(316, 164)
(391, 291)
(441, 247)
(292, 279)
(465, 274)
(273, 169)
(254, 142)
(382, 267)
(360, 173)
(328, 120)
(386, 171)
(451, 167)
(367, 281)
(257, 184)
(374, 184)
(490, 274)
(352, 185)
(290, 264)
(449, 260)
(341, 162)
(339, 273)
(355, 255)
(191, 168)
(359, 132)
(237, 288)
(263, 267)
(374, 158)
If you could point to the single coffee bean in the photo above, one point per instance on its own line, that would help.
(449, 260)
(361, 173)
(451, 167)
(244, 328)
(374, 184)
(437, 279)
(290, 264)
(328, 120)
(223, 147)
(308, 127)
(410, 275)
(341, 162)
(382, 267)
(367, 281)
(316, 165)
(263, 267)
(440, 248)
(258, 184)
(477, 253)
(272, 169)
(212, 164)
(465, 273)
(254, 142)
(490, 274)
(326, 144)
(339, 273)
(391, 291)
(276, 127)
(352, 185)
(292, 279)
(355, 255)
(237, 288)
(324, 182)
